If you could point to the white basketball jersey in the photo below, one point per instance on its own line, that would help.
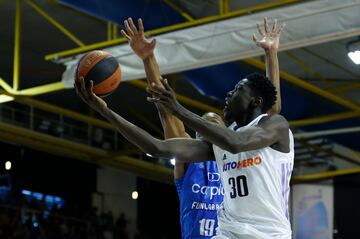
(257, 191)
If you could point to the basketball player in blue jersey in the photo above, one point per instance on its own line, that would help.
(254, 154)
(198, 184)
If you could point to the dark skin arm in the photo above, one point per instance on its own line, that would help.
(272, 130)
(269, 41)
(144, 49)
(183, 149)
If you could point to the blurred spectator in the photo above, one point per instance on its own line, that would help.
(31, 220)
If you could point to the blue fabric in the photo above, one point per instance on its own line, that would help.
(200, 194)
(117, 11)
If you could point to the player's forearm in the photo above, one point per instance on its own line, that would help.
(135, 134)
(273, 73)
(172, 126)
(152, 70)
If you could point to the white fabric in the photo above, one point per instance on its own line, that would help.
(261, 212)
(307, 23)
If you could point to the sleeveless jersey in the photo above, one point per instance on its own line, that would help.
(257, 188)
(201, 195)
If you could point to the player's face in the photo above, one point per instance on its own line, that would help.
(237, 101)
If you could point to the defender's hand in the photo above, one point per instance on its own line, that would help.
(269, 38)
(137, 40)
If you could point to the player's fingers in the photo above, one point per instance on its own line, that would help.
(141, 26)
(128, 29)
(254, 37)
(155, 100)
(151, 99)
(125, 35)
(76, 89)
(158, 87)
(153, 43)
(266, 24)
(83, 91)
(132, 25)
(82, 85)
(274, 26)
(166, 84)
(259, 29)
(90, 89)
(153, 91)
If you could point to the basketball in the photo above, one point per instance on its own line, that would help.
(103, 69)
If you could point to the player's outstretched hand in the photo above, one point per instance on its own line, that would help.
(142, 47)
(269, 39)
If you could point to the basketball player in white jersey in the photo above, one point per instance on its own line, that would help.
(254, 153)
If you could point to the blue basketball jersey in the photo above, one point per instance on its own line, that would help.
(201, 195)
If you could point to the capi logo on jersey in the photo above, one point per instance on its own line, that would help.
(213, 177)
(208, 190)
(242, 163)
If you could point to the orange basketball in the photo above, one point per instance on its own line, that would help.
(103, 69)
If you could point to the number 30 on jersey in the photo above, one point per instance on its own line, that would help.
(239, 186)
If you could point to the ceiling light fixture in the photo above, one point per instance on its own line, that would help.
(353, 49)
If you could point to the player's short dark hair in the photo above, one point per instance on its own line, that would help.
(263, 87)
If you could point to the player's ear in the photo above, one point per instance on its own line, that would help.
(257, 101)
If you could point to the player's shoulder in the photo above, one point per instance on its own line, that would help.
(274, 120)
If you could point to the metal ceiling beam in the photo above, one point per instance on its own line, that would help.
(76, 40)
(329, 151)
(324, 119)
(67, 148)
(179, 10)
(16, 68)
(309, 69)
(324, 175)
(5, 98)
(6, 86)
(313, 134)
(59, 110)
(197, 22)
(227, 6)
(109, 30)
(38, 90)
(115, 31)
(345, 88)
(16, 71)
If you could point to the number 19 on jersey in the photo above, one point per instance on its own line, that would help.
(207, 227)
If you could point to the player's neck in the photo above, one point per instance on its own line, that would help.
(245, 119)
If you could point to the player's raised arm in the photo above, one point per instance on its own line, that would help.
(144, 48)
(269, 40)
(184, 149)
